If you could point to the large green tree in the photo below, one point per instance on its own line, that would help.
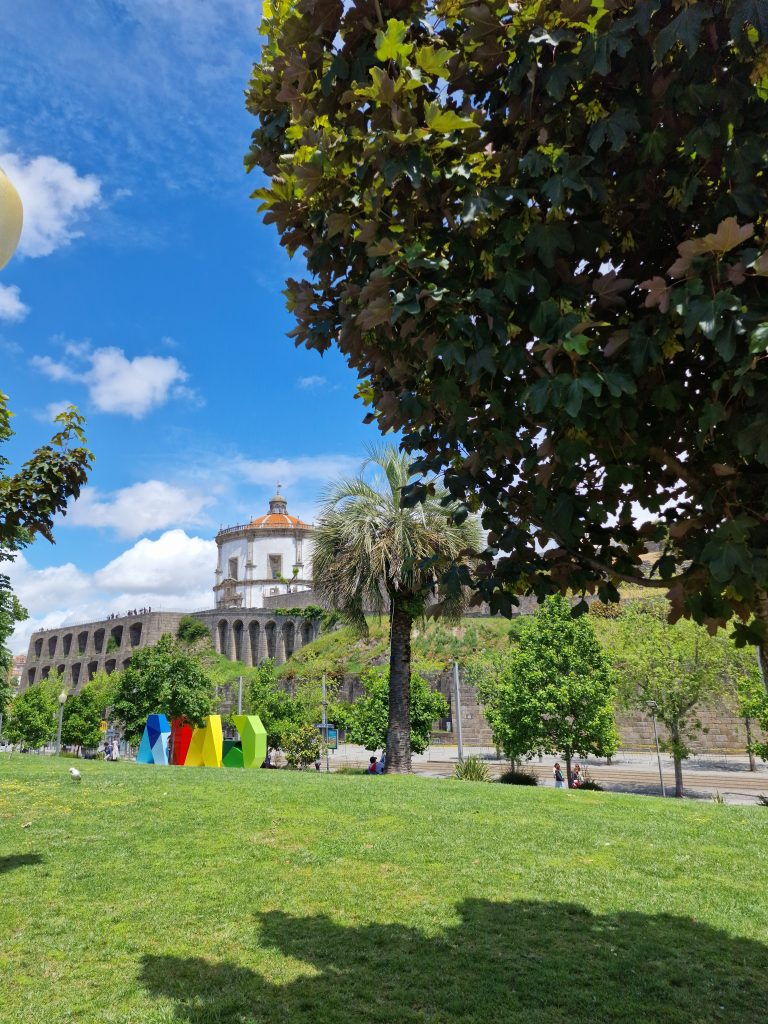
(282, 715)
(366, 721)
(32, 718)
(162, 679)
(675, 667)
(553, 690)
(537, 231)
(370, 554)
(81, 719)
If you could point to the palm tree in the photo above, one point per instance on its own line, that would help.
(372, 555)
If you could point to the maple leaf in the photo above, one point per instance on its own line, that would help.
(658, 293)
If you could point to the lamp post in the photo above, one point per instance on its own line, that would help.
(62, 702)
(653, 708)
(11, 217)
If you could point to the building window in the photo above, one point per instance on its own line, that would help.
(233, 568)
(275, 567)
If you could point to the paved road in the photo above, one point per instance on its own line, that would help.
(629, 772)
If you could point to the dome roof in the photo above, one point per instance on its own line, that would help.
(279, 521)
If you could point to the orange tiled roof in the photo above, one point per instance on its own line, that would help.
(279, 521)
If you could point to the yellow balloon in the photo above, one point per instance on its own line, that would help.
(11, 218)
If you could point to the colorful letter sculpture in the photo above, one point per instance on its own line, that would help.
(153, 748)
(254, 737)
(206, 746)
(181, 737)
(233, 754)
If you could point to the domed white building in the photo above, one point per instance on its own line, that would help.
(270, 555)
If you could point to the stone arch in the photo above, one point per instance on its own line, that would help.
(38, 647)
(67, 643)
(109, 666)
(93, 668)
(237, 639)
(116, 634)
(306, 632)
(222, 637)
(134, 634)
(126, 662)
(76, 673)
(254, 641)
(30, 676)
(270, 640)
(61, 669)
(45, 671)
(289, 639)
(82, 642)
(52, 640)
(98, 640)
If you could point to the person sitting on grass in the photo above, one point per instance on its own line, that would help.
(576, 777)
(372, 765)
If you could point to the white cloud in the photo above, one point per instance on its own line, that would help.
(172, 573)
(55, 198)
(310, 383)
(323, 468)
(116, 383)
(11, 306)
(52, 410)
(140, 508)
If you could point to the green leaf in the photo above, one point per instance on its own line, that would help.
(440, 120)
(433, 60)
(575, 396)
(546, 240)
(758, 339)
(749, 12)
(390, 44)
(685, 29)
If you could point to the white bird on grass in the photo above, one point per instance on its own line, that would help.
(75, 775)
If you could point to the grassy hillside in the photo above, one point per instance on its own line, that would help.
(155, 895)
(434, 646)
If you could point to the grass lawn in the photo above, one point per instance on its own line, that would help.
(149, 895)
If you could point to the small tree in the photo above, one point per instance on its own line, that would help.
(302, 744)
(192, 630)
(553, 691)
(162, 679)
(81, 719)
(675, 667)
(367, 720)
(33, 716)
(743, 680)
(280, 713)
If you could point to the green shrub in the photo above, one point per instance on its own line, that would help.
(472, 769)
(590, 784)
(513, 777)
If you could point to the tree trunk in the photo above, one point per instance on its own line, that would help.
(678, 775)
(399, 733)
(748, 725)
(568, 774)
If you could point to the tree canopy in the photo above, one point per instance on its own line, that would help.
(162, 679)
(552, 691)
(32, 718)
(537, 232)
(366, 721)
(31, 497)
(81, 719)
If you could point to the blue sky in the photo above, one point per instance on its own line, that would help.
(146, 291)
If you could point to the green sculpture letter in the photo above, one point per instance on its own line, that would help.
(254, 737)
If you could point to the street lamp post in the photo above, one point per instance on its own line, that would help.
(62, 702)
(653, 708)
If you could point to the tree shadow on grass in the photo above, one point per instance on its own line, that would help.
(502, 963)
(19, 860)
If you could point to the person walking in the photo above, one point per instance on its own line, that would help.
(559, 780)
